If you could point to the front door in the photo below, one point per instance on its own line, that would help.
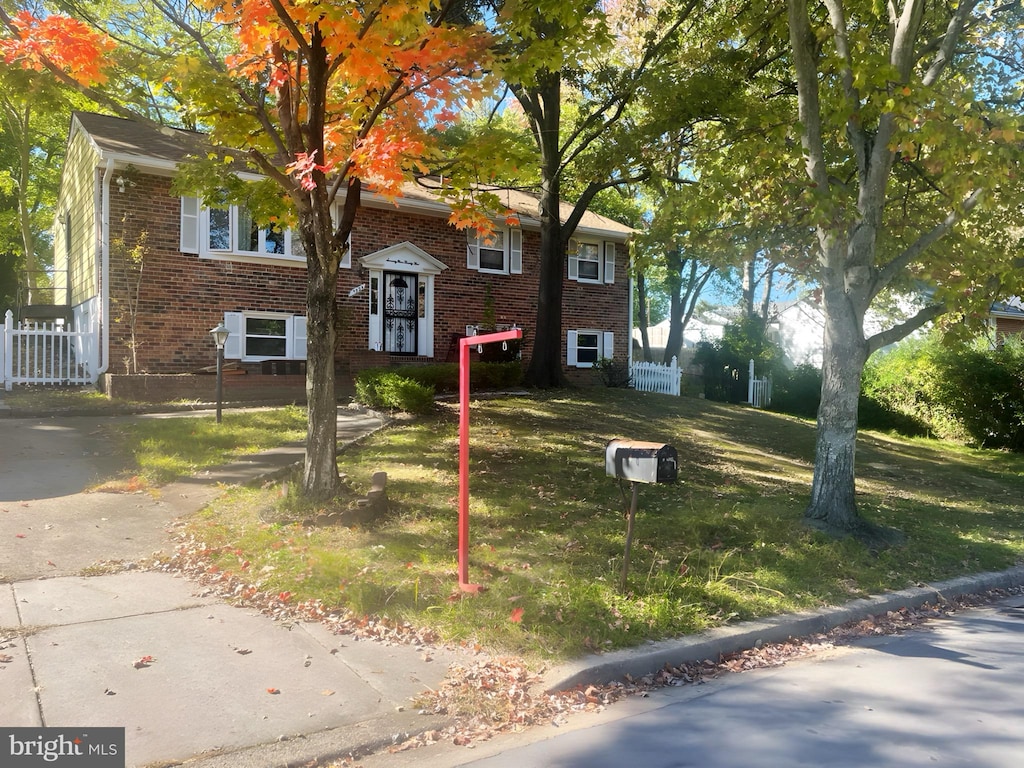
(400, 313)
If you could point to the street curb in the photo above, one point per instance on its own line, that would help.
(322, 747)
(597, 669)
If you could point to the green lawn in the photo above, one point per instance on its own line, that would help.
(547, 531)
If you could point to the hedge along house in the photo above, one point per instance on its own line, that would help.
(153, 272)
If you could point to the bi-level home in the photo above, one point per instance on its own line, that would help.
(153, 272)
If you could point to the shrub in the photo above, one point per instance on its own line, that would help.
(797, 392)
(612, 373)
(725, 362)
(394, 392)
(378, 388)
(970, 394)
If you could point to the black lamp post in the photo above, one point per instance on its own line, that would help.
(220, 336)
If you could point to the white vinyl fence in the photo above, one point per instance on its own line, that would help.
(44, 353)
(655, 377)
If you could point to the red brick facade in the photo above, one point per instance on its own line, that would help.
(181, 296)
(1008, 326)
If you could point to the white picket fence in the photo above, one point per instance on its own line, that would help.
(655, 377)
(44, 353)
(759, 391)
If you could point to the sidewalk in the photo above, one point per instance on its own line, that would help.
(193, 679)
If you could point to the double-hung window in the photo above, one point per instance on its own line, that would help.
(232, 232)
(257, 336)
(591, 261)
(500, 251)
(585, 347)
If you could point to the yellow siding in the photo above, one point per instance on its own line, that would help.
(77, 203)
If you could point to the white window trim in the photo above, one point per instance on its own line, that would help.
(295, 336)
(605, 346)
(606, 251)
(512, 250)
(195, 238)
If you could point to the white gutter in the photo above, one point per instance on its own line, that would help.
(105, 267)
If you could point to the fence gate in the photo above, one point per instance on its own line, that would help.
(759, 391)
(44, 353)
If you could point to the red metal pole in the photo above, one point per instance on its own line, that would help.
(464, 345)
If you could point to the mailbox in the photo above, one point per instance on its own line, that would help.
(641, 462)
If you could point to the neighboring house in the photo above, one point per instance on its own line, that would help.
(153, 272)
(798, 327)
(705, 328)
(1006, 318)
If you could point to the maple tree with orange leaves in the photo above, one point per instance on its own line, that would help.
(323, 98)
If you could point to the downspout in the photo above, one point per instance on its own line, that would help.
(629, 295)
(105, 268)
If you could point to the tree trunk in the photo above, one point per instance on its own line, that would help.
(320, 470)
(748, 285)
(766, 298)
(685, 293)
(543, 105)
(833, 505)
(545, 369)
(644, 314)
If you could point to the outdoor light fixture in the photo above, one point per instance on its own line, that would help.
(220, 336)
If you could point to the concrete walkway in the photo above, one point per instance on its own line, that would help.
(187, 676)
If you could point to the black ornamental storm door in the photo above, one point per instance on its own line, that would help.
(400, 313)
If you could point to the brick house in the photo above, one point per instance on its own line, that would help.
(411, 286)
(1006, 318)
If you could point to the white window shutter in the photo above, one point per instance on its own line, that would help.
(515, 260)
(574, 260)
(189, 237)
(570, 346)
(608, 345)
(472, 249)
(609, 263)
(346, 261)
(299, 337)
(234, 322)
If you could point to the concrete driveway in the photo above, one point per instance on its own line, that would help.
(223, 686)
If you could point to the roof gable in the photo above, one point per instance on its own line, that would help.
(126, 139)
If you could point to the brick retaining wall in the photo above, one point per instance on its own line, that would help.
(165, 387)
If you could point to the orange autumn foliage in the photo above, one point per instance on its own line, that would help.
(68, 44)
(391, 71)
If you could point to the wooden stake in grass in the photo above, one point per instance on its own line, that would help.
(630, 517)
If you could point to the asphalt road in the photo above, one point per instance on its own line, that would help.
(949, 695)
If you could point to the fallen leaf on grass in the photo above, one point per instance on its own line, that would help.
(516, 616)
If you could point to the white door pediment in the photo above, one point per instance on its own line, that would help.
(404, 257)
